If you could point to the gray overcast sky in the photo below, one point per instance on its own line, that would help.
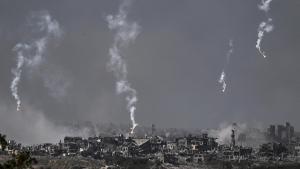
(174, 64)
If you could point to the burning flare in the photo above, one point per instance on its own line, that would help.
(125, 32)
(222, 79)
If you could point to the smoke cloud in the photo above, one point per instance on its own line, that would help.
(125, 32)
(265, 5)
(223, 133)
(57, 82)
(222, 79)
(265, 26)
(244, 135)
(31, 54)
(32, 127)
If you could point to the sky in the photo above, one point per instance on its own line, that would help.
(174, 64)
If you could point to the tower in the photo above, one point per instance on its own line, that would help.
(152, 130)
(232, 138)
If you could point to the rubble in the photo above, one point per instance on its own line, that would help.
(189, 151)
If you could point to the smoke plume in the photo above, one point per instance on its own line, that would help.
(33, 127)
(30, 54)
(222, 79)
(223, 133)
(265, 26)
(56, 81)
(244, 135)
(125, 32)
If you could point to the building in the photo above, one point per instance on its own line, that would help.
(281, 133)
(271, 131)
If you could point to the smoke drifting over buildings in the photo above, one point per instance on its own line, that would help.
(126, 32)
(244, 135)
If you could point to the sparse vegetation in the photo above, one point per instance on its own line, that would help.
(3, 142)
(19, 160)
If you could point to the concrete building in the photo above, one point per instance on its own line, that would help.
(281, 133)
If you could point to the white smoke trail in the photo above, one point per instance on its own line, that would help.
(265, 26)
(265, 5)
(222, 79)
(31, 54)
(17, 77)
(126, 32)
